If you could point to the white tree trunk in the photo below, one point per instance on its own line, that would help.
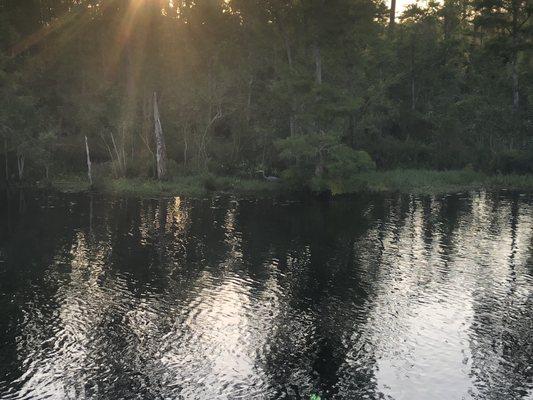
(161, 151)
(89, 169)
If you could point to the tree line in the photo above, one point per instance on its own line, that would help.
(316, 90)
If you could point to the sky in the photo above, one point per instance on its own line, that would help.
(401, 4)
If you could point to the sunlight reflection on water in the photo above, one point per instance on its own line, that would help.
(398, 297)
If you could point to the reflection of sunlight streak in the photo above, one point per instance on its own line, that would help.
(77, 20)
(233, 237)
(435, 336)
(147, 222)
(55, 355)
(68, 28)
(70, 25)
(421, 332)
(219, 335)
(124, 37)
(446, 291)
(38, 36)
(177, 218)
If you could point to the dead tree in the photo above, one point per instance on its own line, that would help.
(20, 164)
(161, 151)
(89, 170)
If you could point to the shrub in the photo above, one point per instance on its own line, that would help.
(320, 161)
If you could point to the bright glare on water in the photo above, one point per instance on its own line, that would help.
(372, 297)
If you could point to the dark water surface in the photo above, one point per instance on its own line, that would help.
(381, 297)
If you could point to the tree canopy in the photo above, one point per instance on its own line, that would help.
(319, 89)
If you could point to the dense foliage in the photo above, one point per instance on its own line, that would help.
(316, 90)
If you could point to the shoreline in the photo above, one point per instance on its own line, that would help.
(393, 181)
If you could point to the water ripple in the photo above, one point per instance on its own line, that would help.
(385, 297)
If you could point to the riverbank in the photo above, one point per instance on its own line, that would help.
(436, 182)
(193, 185)
(404, 181)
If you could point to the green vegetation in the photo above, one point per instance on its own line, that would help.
(404, 181)
(192, 185)
(325, 94)
(321, 161)
(433, 182)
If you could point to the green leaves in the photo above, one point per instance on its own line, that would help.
(451, 87)
(321, 161)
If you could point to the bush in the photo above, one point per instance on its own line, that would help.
(209, 182)
(321, 162)
(142, 167)
(513, 161)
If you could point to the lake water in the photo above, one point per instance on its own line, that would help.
(372, 297)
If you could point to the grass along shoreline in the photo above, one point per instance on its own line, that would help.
(404, 181)
(193, 185)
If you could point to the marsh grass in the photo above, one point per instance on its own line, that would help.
(432, 182)
(405, 181)
(193, 185)
(66, 184)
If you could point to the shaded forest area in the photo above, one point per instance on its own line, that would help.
(314, 90)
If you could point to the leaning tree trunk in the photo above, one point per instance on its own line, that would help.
(89, 165)
(161, 151)
(20, 165)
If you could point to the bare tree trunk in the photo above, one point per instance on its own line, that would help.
(292, 125)
(249, 102)
(111, 156)
(202, 149)
(119, 154)
(20, 165)
(161, 151)
(392, 16)
(89, 169)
